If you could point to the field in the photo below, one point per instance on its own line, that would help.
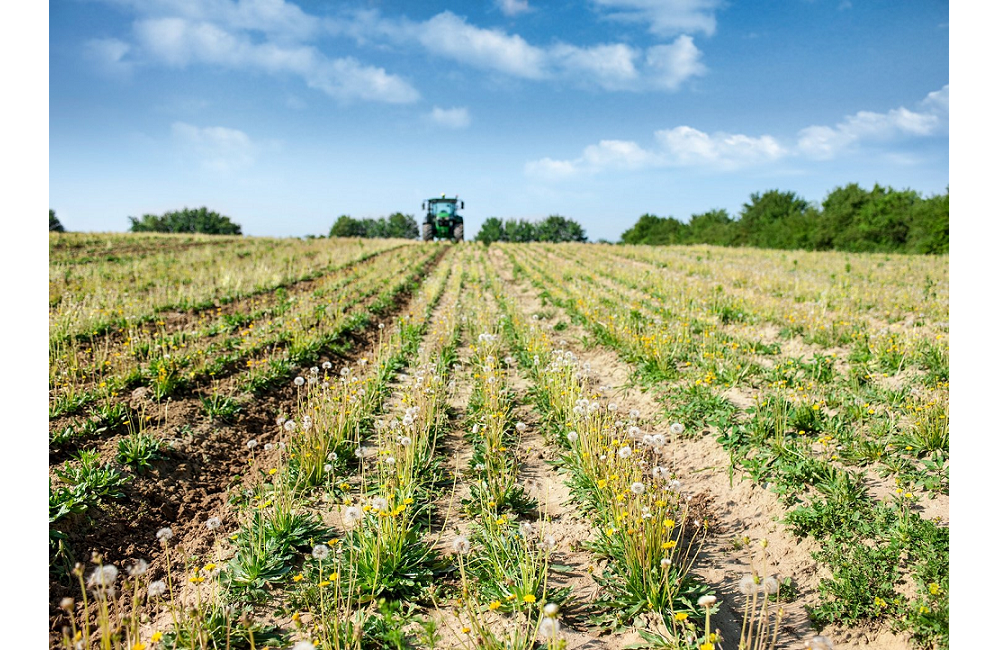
(343, 443)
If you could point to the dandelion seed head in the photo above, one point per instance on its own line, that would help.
(707, 601)
(461, 545)
(251, 443)
(156, 588)
(164, 534)
(637, 488)
(320, 552)
(299, 381)
(549, 628)
(212, 523)
(677, 428)
(747, 585)
(625, 452)
(572, 436)
(139, 568)
(353, 515)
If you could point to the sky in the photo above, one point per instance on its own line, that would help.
(284, 114)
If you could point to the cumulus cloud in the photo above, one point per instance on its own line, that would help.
(825, 142)
(513, 7)
(277, 36)
(672, 64)
(277, 19)
(449, 118)
(180, 42)
(685, 146)
(451, 36)
(217, 148)
(610, 66)
(664, 17)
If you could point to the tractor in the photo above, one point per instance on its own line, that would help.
(441, 220)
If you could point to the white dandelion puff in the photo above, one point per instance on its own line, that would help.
(321, 551)
(139, 568)
(549, 628)
(461, 545)
(164, 534)
(353, 515)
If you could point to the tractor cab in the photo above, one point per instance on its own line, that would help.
(441, 220)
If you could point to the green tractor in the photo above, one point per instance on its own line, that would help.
(441, 220)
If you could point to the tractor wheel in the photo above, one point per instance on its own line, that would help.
(457, 233)
(428, 232)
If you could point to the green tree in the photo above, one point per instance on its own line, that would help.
(492, 230)
(841, 207)
(714, 227)
(656, 231)
(556, 228)
(54, 223)
(929, 231)
(519, 231)
(345, 226)
(402, 226)
(771, 220)
(188, 220)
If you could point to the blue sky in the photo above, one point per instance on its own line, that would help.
(283, 115)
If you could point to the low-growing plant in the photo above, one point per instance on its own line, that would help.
(222, 408)
(138, 450)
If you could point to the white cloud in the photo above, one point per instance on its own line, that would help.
(179, 42)
(217, 148)
(685, 146)
(621, 154)
(108, 56)
(665, 17)
(549, 169)
(672, 64)
(513, 7)
(611, 66)
(279, 20)
(449, 118)
(824, 142)
(449, 35)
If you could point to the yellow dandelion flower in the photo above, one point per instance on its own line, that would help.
(529, 598)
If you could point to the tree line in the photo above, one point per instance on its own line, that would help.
(850, 218)
(554, 228)
(396, 225)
